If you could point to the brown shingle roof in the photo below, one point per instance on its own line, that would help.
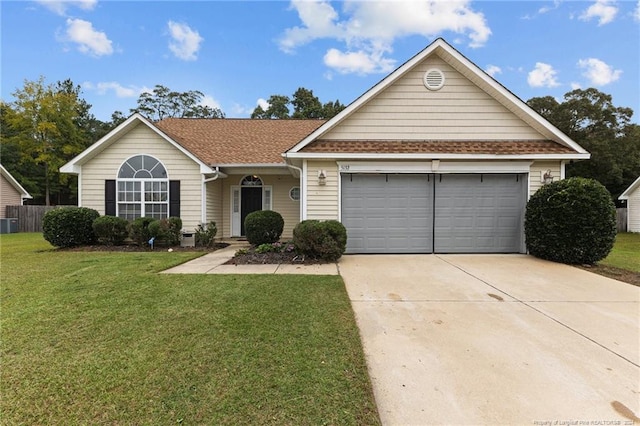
(438, 147)
(237, 141)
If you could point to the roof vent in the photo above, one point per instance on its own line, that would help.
(433, 79)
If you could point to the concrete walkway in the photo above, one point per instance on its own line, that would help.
(495, 339)
(213, 263)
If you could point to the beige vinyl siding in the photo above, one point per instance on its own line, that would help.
(215, 197)
(407, 110)
(322, 200)
(280, 201)
(9, 196)
(540, 167)
(142, 140)
(633, 211)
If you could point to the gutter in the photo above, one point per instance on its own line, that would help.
(203, 204)
(302, 188)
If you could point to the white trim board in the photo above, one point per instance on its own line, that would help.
(435, 167)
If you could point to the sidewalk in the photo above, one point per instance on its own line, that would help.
(213, 263)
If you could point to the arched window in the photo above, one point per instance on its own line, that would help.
(143, 188)
(251, 180)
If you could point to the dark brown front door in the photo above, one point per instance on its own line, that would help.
(250, 201)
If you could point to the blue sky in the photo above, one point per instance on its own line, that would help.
(239, 53)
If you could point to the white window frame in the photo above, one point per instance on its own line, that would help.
(145, 210)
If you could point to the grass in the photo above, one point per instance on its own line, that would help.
(625, 253)
(95, 337)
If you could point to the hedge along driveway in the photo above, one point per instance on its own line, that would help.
(102, 338)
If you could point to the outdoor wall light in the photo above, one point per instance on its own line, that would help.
(546, 177)
(322, 177)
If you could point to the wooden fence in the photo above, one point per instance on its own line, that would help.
(29, 217)
(621, 219)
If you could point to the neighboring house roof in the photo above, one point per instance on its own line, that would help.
(630, 190)
(23, 192)
(470, 71)
(231, 141)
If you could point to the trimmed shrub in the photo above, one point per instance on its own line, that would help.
(320, 240)
(110, 230)
(166, 231)
(571, 221)
(69, 226)
(139, 230)
(263, 226)
(206, 234)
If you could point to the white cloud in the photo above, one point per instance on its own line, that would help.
(575, 86)
(636, 13)
(368, 29)
(359, 62)
(120, 91)
(598, 72)
(604, 10)
(209, 101)
(185, 42)
(88, 39)
(60, 6)
(492, 70)
(544, 9)
(262, 103)
(543, 75)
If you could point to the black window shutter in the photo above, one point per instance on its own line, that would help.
(110, 197)
(174, 198)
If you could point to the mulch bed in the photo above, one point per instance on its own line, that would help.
(253, 258)
(615, 273)
(136, 248)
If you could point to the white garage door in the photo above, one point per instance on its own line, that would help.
(442, 213)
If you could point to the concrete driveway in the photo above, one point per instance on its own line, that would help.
(495, 339)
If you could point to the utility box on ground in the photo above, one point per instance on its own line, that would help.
(8, 226)
(188, 239)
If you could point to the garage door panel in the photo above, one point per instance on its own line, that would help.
(387, 213)
(487, 209)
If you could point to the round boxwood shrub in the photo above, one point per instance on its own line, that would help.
(110, 230)
(69, 226)
(166, 231)
(571, 221)
(263, 226)
(139, 230)
(325, 240)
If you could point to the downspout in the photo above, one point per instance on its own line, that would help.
(302, 188)
(216, 174)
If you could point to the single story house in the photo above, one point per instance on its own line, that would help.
(632, 195)
(11, 192)
(436, 157)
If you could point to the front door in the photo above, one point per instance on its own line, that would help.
(251, 201)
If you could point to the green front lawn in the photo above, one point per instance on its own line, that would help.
(625, 253)
(98, 337)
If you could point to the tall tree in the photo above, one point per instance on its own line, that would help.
(589, 117)
(45, 127)
(306, 105)
(163, 103)
(303, 103)
(278, 108)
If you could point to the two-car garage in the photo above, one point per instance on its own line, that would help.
(434, 213)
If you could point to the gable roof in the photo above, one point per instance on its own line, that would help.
(9, 177)
(75, 164)
(473, 73)
(627, 193)
(231, 141)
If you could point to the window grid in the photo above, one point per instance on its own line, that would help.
(143, 189)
